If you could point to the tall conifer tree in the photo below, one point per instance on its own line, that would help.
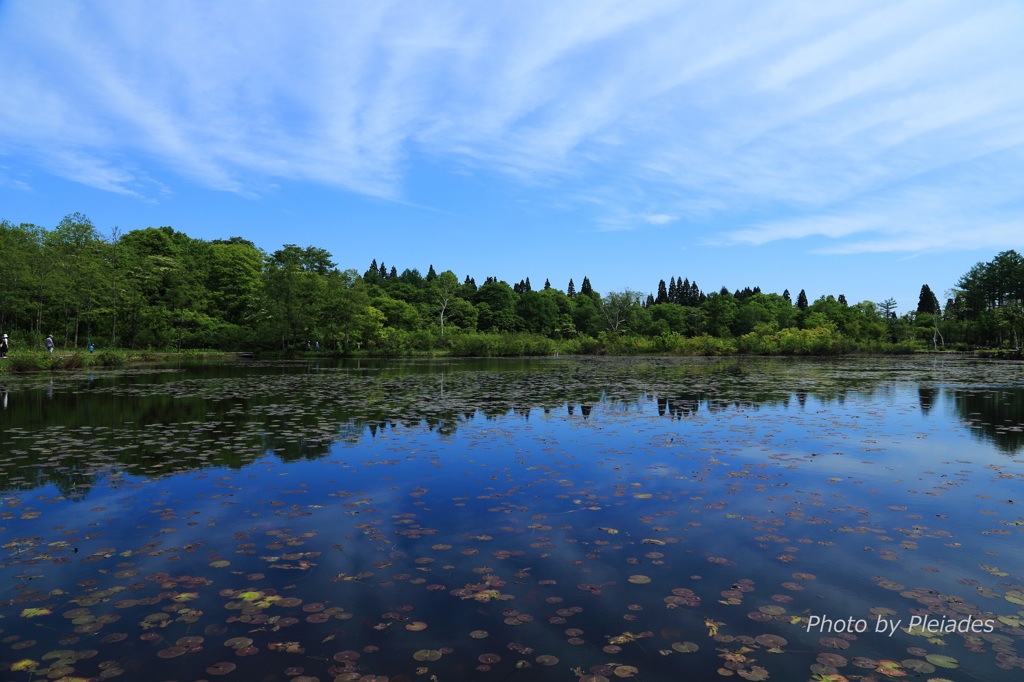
(662, 292)
(927, 302)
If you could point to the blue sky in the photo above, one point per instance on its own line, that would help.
(862, 148)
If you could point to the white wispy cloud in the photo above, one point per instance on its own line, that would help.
(961, 211)
(826, 117)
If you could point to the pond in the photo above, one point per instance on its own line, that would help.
(548, 519)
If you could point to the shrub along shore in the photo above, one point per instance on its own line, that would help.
(494, 346)
(24, 361)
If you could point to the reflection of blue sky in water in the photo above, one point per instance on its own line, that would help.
(853, 491)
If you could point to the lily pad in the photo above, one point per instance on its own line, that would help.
(942, 661)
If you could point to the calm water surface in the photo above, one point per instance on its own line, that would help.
(555, 519)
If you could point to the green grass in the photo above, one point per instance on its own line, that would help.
(27, 361)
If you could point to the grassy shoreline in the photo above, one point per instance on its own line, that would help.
(481, 346)
(24, 362)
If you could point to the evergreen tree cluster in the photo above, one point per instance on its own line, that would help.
(681, 292)
(988, 302)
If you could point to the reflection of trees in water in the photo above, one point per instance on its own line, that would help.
(926, 397)
(157, 425)
(683, 406)
(994, 415)
(679, 407)
(229, 417)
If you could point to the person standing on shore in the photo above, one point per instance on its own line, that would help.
(49, 344)
(4, 346)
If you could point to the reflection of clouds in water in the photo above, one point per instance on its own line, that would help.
(772, 490)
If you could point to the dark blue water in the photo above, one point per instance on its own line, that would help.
(551, 519)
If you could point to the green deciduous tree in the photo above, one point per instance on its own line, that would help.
(538, 313)
(462, 315)
(22, 267)
(350, 318)
(235, 279)
(398, 314)
(152, 277)
(443, 290)
(496, 307)
(720, 311)
(295, 279)
(74, 249)
(586, 316)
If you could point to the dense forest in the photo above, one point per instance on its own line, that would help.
(157, 288)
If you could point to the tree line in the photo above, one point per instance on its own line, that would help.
(158, 288)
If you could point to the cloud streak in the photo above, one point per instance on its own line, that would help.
(792, 120)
